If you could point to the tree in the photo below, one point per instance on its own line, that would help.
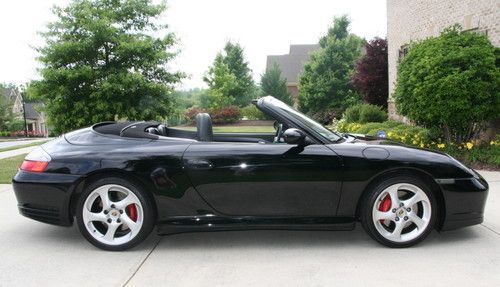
(103, 60)
(229, 78)
(371, 77)
(450, 82)
(325, 82)
(6, 115)
(272, 83)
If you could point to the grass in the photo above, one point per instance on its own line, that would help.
(9, 166)
(236, 129)
(22, 146)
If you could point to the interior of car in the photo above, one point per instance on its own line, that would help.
(204, 131)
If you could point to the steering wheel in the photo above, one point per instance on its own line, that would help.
(279, 130)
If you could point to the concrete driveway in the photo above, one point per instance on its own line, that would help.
(36, 254)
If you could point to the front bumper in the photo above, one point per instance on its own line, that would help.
(464, 199)
(45, 196)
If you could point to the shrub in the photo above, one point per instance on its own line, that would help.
(371, 113)
(251, 112)
(352, 113)
(397, 131)
(225, 115)
(30, 134)
(365, 113)
(16, 125)
(191, 114)
(327, 116)
(450, 83)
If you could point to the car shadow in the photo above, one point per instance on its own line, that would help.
(294, 239)
(257, 238)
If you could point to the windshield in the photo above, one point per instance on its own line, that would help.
(305, 120)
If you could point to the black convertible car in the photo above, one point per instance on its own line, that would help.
(120, 179)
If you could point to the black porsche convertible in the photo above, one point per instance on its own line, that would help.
(118, 180)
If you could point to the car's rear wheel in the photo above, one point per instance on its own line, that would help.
(399, 212)
(114, 214)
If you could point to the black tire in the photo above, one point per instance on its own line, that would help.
(372, 195)
(147, 206)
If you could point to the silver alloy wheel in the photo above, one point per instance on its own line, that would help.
(408, 216)
(113, 214)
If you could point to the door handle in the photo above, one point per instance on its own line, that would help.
(199, 164)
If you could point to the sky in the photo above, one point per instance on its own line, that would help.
(261, 27)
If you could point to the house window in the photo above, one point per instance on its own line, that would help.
(403, 51)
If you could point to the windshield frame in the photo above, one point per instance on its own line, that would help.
(319, 131)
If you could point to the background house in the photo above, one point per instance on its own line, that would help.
(35, 117)
(291, 65)
(412, 20)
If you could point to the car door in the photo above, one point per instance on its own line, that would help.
(259, 179)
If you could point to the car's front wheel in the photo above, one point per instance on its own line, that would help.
(399, 212)
(114, 214)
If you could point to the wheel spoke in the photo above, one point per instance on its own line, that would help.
(380, 215)
(393, 193)
(129, 199)
(104, 195)
(132, 225)
(110, 233)
(396, 233)
(419, 222)
(89, 216)
(416, 198)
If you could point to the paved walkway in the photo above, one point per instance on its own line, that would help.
(12, 143)
(15, 152)
(37, 254)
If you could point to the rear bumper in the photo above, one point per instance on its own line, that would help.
(45, 197)
(465, 200)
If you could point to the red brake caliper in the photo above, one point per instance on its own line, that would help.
(385, 205)
(132, 211)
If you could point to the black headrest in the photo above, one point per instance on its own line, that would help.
(204, 131)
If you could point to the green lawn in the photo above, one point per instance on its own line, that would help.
(9, 166)
(21, 146)
(236, 129)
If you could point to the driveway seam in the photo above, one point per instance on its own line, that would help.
(142, 263)
(490, 229)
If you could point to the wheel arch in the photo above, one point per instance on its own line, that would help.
(99, 174)
(412, 172)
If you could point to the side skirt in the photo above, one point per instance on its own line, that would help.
(181, 224)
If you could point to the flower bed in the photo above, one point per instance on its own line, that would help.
(484, 155)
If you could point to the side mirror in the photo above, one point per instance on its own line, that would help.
(294, 136)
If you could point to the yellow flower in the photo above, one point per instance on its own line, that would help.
(390, 134)
(422, 145)
(442, 145)
(414, 142)
(469, 145)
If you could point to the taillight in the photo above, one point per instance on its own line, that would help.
(34, 166)
(36, 161)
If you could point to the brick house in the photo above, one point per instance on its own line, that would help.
(411, 20)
